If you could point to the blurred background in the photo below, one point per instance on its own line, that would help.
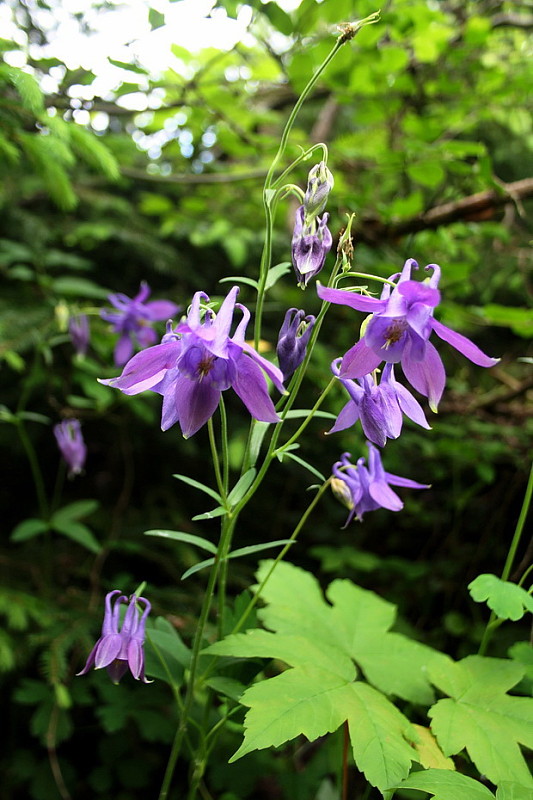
(134, 140)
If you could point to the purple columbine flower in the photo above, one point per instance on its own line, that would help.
(379, 407)
(117, 650)
(399, 328)
(133, 320)
(363, 488)
(311, 242)
(78, 328)
(198, 360)
(70, 441)
(293, 340)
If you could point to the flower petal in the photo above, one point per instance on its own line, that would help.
(428, 376)
(161, 309)
(359, 361)
(195, 403)
(381, 493)
(146, 369)
(342, 297)
(347, 417)
(397, 480)
(123, 350)
(463, 345)
(251, 386)
(273, 372)
(107, 650)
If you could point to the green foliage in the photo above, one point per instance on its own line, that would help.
(320, 642)
(480, 716)
(506, 599)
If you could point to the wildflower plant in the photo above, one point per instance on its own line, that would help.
(346, 668)
(404, 709)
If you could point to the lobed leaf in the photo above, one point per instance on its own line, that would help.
(506, 599)
(480, 717)
(446, 785)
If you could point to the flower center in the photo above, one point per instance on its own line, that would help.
(394, 332)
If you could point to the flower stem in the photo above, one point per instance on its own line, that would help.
(214, 455)
(493, 622)
(227, 529)
(35, 469)
(303, 519)
(266, 256)
(308, 419)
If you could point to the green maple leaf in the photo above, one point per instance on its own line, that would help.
(480, 716)
(357, 624)
(321, 642)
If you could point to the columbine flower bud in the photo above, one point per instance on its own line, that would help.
(319, 185)
(78, 328)
(70, 441)
(311, 242)
(293, 339)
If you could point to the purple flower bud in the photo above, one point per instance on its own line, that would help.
(118, 650)
(311, 242)
(78, 328)
(70, 441)
(319, 185)
(363, 488)
(293, 339)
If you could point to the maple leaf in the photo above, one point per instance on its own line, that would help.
(480, 716)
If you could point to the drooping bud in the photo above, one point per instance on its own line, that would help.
(78, 328)
(293, 339)
(71, 444)
(310, 245)
(319, 185)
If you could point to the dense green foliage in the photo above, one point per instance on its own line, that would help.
(431, 146)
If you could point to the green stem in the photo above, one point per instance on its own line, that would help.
(308, 419)
(266, 256)
(224, 444)
(519, 527)
(35, 469)
(493, 622)
(214, 456)
(303, 519)
(181, 730)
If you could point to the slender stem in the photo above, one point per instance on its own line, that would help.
(303, 519)
(267, 199)
(224, 444)
(345, 744)
(308, 419)
(493, 622)
(519, 527)
(197, 646)
(35, 469)
(214, 455)
(223, 551)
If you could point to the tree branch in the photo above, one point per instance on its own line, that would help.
(475, 207)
